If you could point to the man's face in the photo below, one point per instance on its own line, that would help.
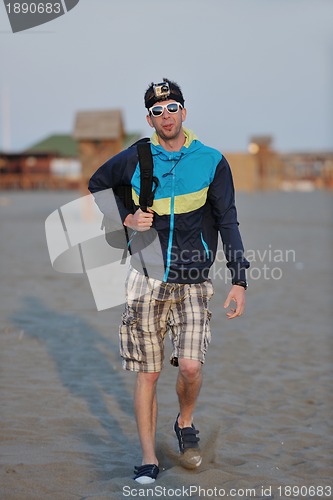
(168, 126)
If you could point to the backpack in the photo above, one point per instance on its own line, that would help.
(120, 238)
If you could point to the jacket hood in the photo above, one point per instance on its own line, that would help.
(192, 143)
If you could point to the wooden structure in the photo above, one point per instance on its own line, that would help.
(308, 170)
(49, 164)
(259, 169)
(65, 162)
(100, 135)
(244, 171)
(268, 162)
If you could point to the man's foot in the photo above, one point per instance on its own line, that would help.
(190, 456)
(146, 474)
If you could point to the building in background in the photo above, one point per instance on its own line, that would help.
(307, 171)
(50, 163)
(64, 161)
(259, 168)
(63, 150)
(100, 135)
(67, 161)
(263, 168)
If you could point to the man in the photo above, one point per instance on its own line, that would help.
(193, 201)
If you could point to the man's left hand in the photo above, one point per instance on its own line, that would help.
(237, 295)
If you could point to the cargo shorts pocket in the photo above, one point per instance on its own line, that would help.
(129, 341)
(207, 336)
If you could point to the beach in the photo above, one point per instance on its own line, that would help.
(265, 409)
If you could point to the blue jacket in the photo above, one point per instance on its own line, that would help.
(194, 200)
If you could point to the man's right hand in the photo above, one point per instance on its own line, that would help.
(140, 221)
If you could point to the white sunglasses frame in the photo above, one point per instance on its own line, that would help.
(165, 106)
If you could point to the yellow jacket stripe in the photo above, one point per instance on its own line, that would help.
(183, 203)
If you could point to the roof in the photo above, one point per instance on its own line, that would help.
(262, 140)
(59, 144)
(105, 124)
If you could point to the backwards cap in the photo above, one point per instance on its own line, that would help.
(175, 94)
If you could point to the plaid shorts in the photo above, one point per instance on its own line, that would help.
(154, 308)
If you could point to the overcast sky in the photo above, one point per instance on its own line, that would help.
(246, 67)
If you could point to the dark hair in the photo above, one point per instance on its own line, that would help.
(175, 94)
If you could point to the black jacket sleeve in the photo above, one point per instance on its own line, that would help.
(115, 172)
(221, 195)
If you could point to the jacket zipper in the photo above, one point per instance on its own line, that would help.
(204, 245)
(172, 223)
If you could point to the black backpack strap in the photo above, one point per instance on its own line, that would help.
(146, 176)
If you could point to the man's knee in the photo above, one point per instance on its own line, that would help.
(148, 378)
(190, 369)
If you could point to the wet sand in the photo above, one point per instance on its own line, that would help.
(265, 410)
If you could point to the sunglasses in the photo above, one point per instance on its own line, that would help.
(158, 110)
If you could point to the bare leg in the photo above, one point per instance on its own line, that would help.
(188, 386)
(145, 405)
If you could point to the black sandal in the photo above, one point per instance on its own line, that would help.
(146, 474)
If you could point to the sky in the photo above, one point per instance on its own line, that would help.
(246, 67)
